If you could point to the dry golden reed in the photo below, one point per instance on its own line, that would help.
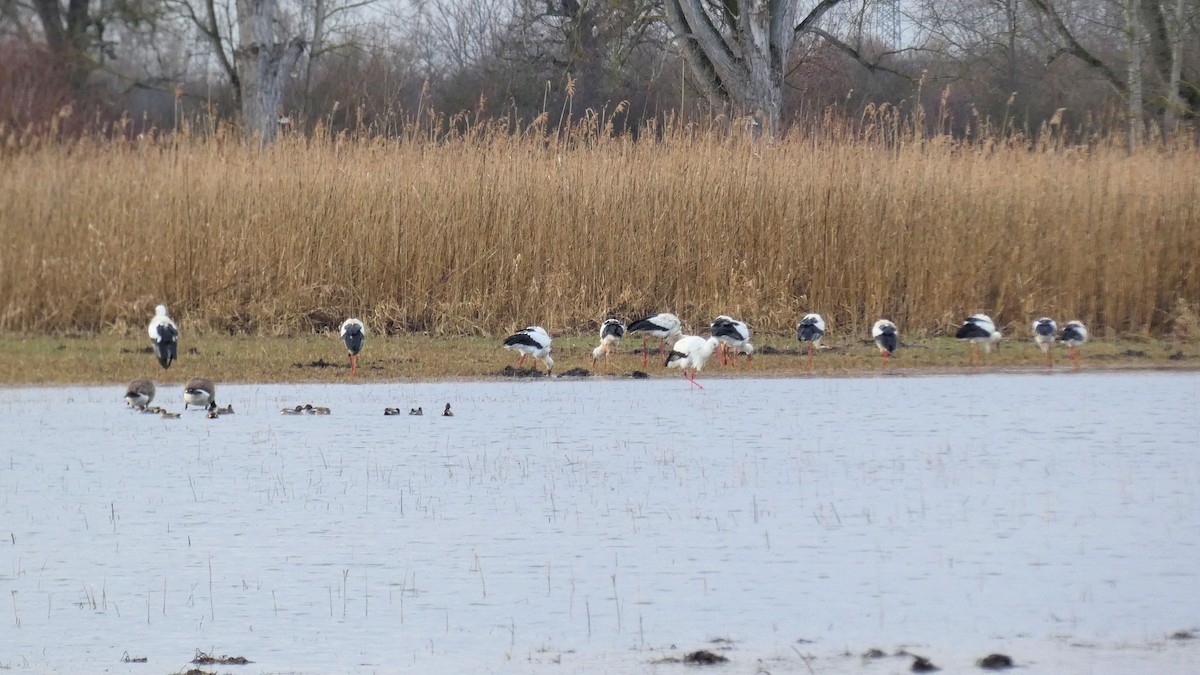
(490, 229)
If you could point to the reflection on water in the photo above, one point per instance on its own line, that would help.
(578, 526)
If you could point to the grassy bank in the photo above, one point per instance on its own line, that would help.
(113, 359)
(492, 230)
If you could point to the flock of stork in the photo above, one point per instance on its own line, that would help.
(728, 339)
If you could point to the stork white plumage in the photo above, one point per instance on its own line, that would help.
(1044, 330)
(734, 336)
(886, 338)
(979, 329)
(532, 341)
(164, 335)
(611, 332)
(354, 336)
(690, 353)
(1073, 335)
(663, 326)
(811, 329)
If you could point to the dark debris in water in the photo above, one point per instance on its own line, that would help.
(203, 659)
(510, 371)
(126, 658)
(319, 363)
(923, 665)
(704, 657)
(576, 372)
(995, 662)
(874, 653)
(197, 671)
(1183, 635)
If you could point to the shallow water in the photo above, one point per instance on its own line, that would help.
(596, 526)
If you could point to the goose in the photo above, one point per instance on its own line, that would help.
(139, 393)
(200, 391)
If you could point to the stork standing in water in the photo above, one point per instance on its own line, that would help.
(611, 332)
(139, 394)
(1073, 335)
(354, 334)
(690, 353)
(662, 326)
(200, 391)
(979, 329)
(1044, 330)
(532, 341)
(734, 336)
(886, 338)
(811, 329)
(164, 335)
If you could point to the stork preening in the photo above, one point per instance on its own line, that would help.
(354, 335)
(811, 329)
(663, 326)
(690, 353)
(532, 341)
(164, 335)
(611, 332)
(886, 338)
(979, 329)
(734, 337)
(1073, 335)
(1044, 330)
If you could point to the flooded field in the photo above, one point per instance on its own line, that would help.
(607, 526)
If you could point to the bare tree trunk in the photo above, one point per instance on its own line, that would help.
(263, 61)
(315, 46)
(1132, 10)
(1174, 100)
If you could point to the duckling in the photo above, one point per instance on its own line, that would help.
(320, 410)
(416, 411)
(298, 410)
(213, 414)
(446, 412)
(227, 410)
(169, 415)
(391, 411)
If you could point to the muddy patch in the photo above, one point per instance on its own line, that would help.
(520, 373)
(576, 372)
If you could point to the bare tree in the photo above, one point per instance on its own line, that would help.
(264, 57)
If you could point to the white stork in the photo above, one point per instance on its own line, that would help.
(690, 353)
(811, 329)
(532, 341)
(1073, 335)
(979, 329)
(662, 326)
(611, 332)
(164, 334)
(354, 335)
(734, 336)
(886, 338)
(1044, 330)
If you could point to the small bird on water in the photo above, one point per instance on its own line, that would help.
(447, 412)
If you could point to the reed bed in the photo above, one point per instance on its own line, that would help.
(480, 232)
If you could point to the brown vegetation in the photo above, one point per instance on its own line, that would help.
(480, 231)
